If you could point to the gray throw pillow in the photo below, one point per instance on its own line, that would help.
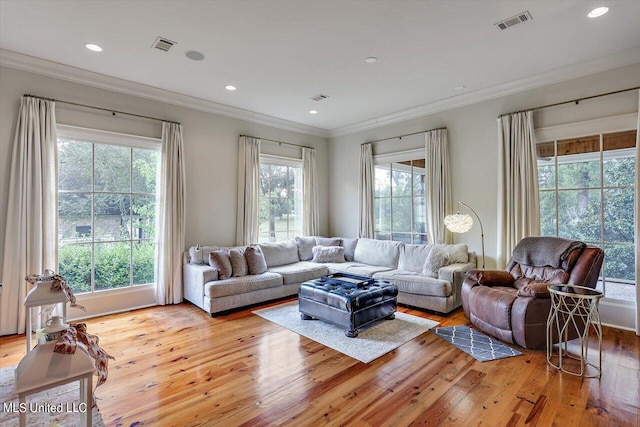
(238, 262)
(328, 254)
(436, 259)
(221, 262)
(458, 253)
(328, 241)
(349, 246)
(305, 247)
(255, 260)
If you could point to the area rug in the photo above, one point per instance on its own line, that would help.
(475, 344)
(67, 395)
(373, 341)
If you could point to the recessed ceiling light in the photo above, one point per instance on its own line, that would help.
(93, 47)
(459, 87)
(598, 11)
(230, 87)
(371, 60)
(194, 55)
(313, 112)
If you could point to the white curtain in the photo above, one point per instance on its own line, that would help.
(31, 231)
(247, 222)
(171, 216)
(365, 189)
(437, 185)
(310, 207)
(637, 230)
(518, 200)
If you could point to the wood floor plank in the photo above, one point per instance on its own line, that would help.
(177, 366)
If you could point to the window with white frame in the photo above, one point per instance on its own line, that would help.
(107, 198)
(280, 198)
(587, 193)
(399, 203)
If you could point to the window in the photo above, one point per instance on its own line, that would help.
(587, 193)
(280, 198)
(399, 204)
(107, 185)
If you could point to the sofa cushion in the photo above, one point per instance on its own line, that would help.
(238, 262)
(411, 283)
(412, 257)
(280, 253)
(300, 272)
(328, 241)
(458, 253)
(328, 254)
(384, 253)
(305, 247)
(220, 261)
(255, 260)
(436, 259)
(341, 267)
(366, 270)
(349, 246)
(242, 285)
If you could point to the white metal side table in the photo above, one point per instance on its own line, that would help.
(576, 312)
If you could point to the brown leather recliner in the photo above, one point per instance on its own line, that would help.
(513, 305)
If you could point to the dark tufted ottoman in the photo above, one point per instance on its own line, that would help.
(348, 300)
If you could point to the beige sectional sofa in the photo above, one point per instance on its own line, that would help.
(291, 263)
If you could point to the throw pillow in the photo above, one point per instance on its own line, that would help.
(349, 246)
(436, 259)
(255, 260)
(328, 241)
(238, 262)
(328, 254)
(221, 262)
(305, 247)
(458, 253)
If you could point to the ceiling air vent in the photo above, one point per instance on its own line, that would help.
(319, 97)
(163, 44)
(521, 17)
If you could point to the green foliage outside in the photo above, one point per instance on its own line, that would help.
(583, 208)
(399, 203)
(117, 184)
(280, 202)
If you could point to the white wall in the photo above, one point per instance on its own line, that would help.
(210, 144)
(473, 139)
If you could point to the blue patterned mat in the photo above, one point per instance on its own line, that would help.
(475, 344)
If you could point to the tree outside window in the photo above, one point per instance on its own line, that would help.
(280, 198)
(399, 205)
(587, 193)
(106, 214)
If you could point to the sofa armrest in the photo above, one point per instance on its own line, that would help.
(455, 274)
(195, 277)
(535, 290)
(490, 277)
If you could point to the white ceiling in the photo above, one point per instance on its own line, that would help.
(281, 53)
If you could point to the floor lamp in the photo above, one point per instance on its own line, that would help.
(461, 223)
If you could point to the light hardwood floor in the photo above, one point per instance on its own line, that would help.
(176, 366)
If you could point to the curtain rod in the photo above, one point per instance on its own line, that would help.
(101, 109)
(406, 134)
(576, 101)
(280, 142)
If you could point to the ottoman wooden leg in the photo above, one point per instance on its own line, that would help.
(351, 333)
(305, 316)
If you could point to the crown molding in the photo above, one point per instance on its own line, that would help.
(43, 67)
(554, 76)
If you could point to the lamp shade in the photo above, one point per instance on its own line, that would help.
(458, 223)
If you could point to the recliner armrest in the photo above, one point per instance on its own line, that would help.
(490, 277)
(535, 290)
